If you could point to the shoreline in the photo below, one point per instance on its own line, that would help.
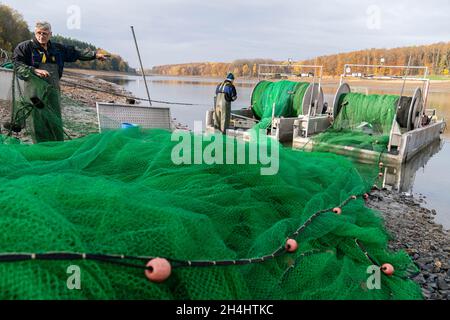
(89, 72)
(413, 229)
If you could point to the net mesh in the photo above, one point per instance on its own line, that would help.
(364, 121)
(121, 193)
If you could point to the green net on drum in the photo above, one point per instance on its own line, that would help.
(279, 99)
(108, 203)
(364, 121)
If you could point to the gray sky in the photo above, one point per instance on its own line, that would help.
(179, 31)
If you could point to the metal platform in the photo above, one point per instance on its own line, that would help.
(407, 137)
(281, 128)
(411, 143)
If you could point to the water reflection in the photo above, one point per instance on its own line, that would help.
(402, 178)
(433, 181)
(441, 102)
(179, 81)
(122, 81)
(197, 81)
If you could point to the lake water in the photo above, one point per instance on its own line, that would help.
(428, 174)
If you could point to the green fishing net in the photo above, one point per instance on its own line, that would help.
(121, 193)
(364, 121)
(280, 99)
(7, 65)
(36, 108)
(377, 110)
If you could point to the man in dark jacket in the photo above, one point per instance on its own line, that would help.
(45, 59)
(225, 94)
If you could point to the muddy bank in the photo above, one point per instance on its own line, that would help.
(74, 87)
(413, 229)
(97, 73)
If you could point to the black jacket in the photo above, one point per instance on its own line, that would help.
(30, 53)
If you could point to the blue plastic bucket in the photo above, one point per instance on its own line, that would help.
(129, 125)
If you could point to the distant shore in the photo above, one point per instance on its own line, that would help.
(329, 83)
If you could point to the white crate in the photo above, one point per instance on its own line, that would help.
(6, 76)
(111, 116)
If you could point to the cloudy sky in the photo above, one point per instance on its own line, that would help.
(178, 31)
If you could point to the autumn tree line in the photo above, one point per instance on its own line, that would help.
(13, 30)
(241, 68)
(436, 57)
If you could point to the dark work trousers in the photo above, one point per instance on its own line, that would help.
(46, 123)
(222, 113)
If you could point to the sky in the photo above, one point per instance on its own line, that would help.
(182, 31)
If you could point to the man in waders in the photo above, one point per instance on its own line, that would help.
(225, 94)
(46, 60)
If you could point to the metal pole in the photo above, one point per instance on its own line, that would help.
(13, 98)
(273, 112)
(142, 67)
(399, 101)
(312, 93)
(319, 90)
(404, 82)
(246, 118)
(427, 89)
(426, 86)
(343, 75)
